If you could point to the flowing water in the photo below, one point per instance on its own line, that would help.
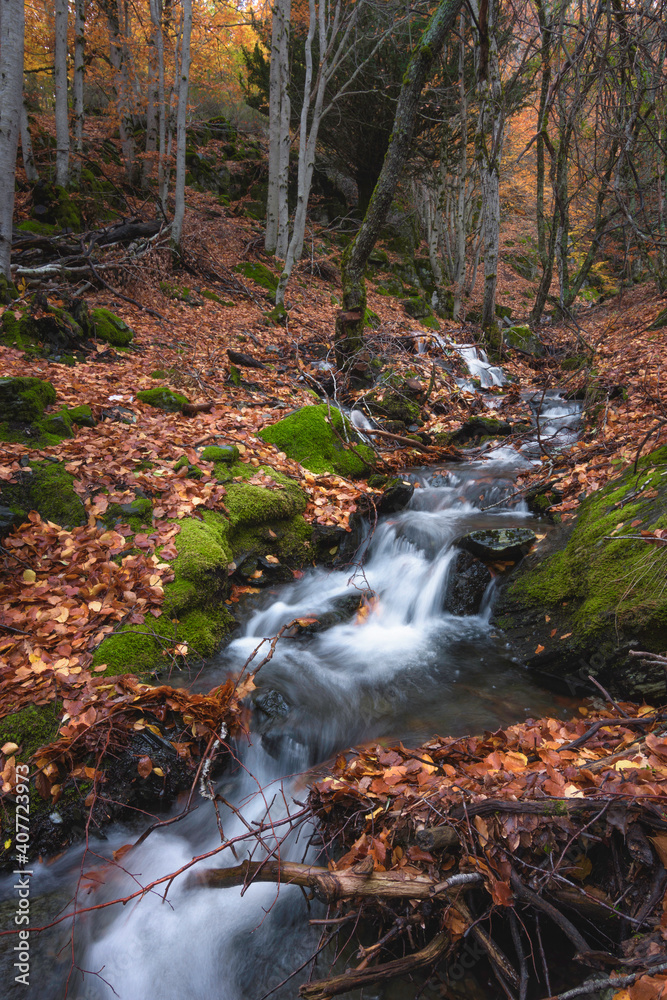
(403, 669)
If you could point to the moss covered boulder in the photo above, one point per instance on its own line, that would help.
(47, 488)
(393, 403)
(163, 398)
(594, 589)
(522, 338)
(322, 440)
(37, 327)
(262, 522)
(106, 326)
(24, 399)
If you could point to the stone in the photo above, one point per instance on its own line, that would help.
(479, 428)
(23, 399)
(272, 705)
(522, 338)
(396, 496)
(315, 436)
(163, 398)
(468, 581)
(499, 544)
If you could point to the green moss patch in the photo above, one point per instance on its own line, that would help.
(260, 274)
(318, 445)
(31, 728)
(163, 398)
(82, 415)
(47, 488)
(24, 399)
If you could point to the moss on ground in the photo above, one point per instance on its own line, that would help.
(47, 488)
(82, 415)
(31, 728)
(260, 274)
(308, 437)
(163, 398)
(392, 404)
(602, 576)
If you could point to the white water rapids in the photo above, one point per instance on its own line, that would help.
(407, 670)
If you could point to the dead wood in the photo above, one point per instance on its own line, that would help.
(358, 978)
(400, 439)
(437, 838)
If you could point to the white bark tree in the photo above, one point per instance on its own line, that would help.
(277, 234)
(181, 125)
(12, 30)
(60, 76)
(334, 23)
(77, 82)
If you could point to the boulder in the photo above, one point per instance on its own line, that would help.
(479, 429)
(322, 440)
(499, 544)
(163, 398)
(595, 589)
(468, 581)
(45, 487)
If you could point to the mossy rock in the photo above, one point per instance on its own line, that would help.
(660, 320)
(261, 521)
(574, 363)
(82, 415)
(163, 398)
(47, 488)
(417, 308)
(31, 728)
(110, 328)
(229, 454)
(523, 339)
(8, 290)
(601, 590)
(138, 513)
(480, 429)
(309, 438)
(59, 424)
(393, 404)
(54, 205)
(260, 274)
(390, 286)
(179, 293)
(36, 228)
(23, 399)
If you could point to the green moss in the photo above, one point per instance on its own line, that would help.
(392, 404)
(47, 488)
(82, 415)
(260, 274)
(159, 373)
(431, 323)
(277, 316)
(35, 227)
(308, 437)
(163, 398)
(138, 514)
(23, 399)
(220, 453)
(418, 308)
(31, 728)
(249, 505)
(600, 576)
(110, 328)
(59, 423)
(214, 297)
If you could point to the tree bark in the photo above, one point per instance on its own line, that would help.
(350, 320)
(276, 235)
(60, 75)
(77, 83)
(29, 166)
(12, 26)
(181, 126)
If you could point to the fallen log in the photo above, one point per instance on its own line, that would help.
(330, 886)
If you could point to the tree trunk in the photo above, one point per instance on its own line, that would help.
(77, 84)
(350, 320)
(153, 101)
(275, 238)
(489, 142)
(29, 166)
(60, 75)
(181, 126)
(12, 23)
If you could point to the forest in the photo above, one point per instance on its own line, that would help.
(333, 499)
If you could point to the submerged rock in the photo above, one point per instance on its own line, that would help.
(499, 544)
(468, 581)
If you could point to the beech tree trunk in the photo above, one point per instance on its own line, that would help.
(12, 25)
(350, 320)
(277, 235)
(60, 76)
(77, 83)
(29, 166)
(181, 126)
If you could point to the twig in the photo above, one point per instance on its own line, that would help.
(409, 442)
(602, 984)
(608, 697)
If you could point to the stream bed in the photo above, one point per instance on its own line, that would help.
(403, 666)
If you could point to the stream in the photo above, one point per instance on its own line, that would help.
(400, 668)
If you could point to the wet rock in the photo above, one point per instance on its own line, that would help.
(480, 428)
(316, 437)
(539, 499)
(272, 706)
(344, 609)
(499, 544)
(396, 496)
(468, 582)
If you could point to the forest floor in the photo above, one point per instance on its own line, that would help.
(52, 621)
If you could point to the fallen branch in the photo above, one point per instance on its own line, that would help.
(409, 442)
